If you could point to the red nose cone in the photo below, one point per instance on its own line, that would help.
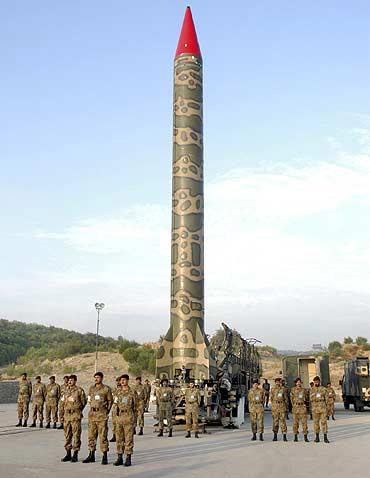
(188, 41)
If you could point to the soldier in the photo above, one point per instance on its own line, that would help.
(256, 400)
(319, 401)
(52, 399)
(192, 402)
(331, 401)
(74, 403)
(24, 397)
(278, 409)
(38, 399)
(266, 388)
(63, 389)
(165, 400)
(114, 410)
(148, 389)
(100, 400)
(126, 417)
(140, 405)
(299, 399)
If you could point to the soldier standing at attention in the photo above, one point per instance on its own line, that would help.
(100, 400)
(126, 417)
(299, 398)
(331, 400)
(24, 397)
(256, 400)
(140, 405)
(74, 403)
(114, 410)
(278, 409)
(319, 403)
(52, 399)
(192, 402)
(266, 389)
(63, 389)
(38, 399)
(148, 389)
(165, 400)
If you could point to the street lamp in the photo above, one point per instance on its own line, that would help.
(98, 307)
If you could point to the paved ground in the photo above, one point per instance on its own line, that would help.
(223, 453)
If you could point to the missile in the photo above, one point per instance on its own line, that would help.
(185, 348)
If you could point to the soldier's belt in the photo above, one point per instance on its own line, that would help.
(279, 402)
(95, 409)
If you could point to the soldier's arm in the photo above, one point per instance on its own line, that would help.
(44, 392)
(83, 398)
(29, 389)
(109, 399)
(135, 403)
(58, 392)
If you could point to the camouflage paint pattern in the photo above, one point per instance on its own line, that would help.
(185, 343)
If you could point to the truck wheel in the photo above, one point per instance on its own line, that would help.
(358, 405)
(346, 403)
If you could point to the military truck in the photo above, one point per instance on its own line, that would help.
(306, 367)
(356, 384)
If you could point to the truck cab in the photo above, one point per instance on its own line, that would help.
(356, 384)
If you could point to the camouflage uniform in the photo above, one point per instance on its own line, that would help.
(192, 401)
(278, 409)
(164, 399)
(63, 389)
(256, 400)
(126, 417)
(148, 389)
(319, 399)
(100, 400)
(24, 396)
(140, 404)
(52, 399)
(299, 398)
(114, 412)
(331, 401)
(74, 402)
(38, 400)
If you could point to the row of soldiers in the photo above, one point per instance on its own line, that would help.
(318, 400)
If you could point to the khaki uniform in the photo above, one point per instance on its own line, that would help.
(74, 399)
(114, 410)
(140, 404)
(100, 400)
(299, 398)
(38, 400)
(147, 389)
(63, 389)
(319, 400)
(165, 399)
(52, 399)
(192, 402)
(126, 417)
(24, 397)
(256, 400)
(278, 409)
(331, 401)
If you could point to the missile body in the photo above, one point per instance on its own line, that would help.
(185, 346)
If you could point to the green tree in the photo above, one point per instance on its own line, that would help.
(348, 340)
(361, 340)
(335, 348)
(131, 354)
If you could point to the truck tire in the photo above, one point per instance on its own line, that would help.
(358, 405)
(346, 403)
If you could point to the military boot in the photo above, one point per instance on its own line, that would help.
(284, 437)
(296, 437)
(306, 438)
(55, 425)
(160, 434)
(33, 424)
(48, 425)
(128, 460)
(19, 424)
(275, 437)
(68, 456)
(61, 426)
(254, 437)
(104, 460)
(74, 458)
(134, 430)
(170, 433)
(196, 435)
(90, 458)
(317, 438)
(188, 434)
(141, 431)
(261, 436)
(119, 460)
(25, 423)
(326, 438)
(113, 439)
(333, 417)
(41, 425)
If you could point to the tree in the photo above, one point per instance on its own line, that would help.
(348, 340)
(361, 340)
(335, 347)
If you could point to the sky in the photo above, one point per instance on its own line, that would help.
(85, 156)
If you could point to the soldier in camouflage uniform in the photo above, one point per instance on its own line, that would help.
(24, 397)
(278, 409)
(319, 403)
(148, 389)
(299, 399)
(140, 405)
(63, 389)
(165, 398)
(114, 410)
(38, 400)
(74, 403)
(126, 417)
(100, 400)
(52, 399)
(287, 398)
(256, 400)
(331, 401)
(192, 402)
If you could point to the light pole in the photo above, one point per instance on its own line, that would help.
(98, 307)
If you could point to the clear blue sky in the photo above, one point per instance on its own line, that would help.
(85, 152)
